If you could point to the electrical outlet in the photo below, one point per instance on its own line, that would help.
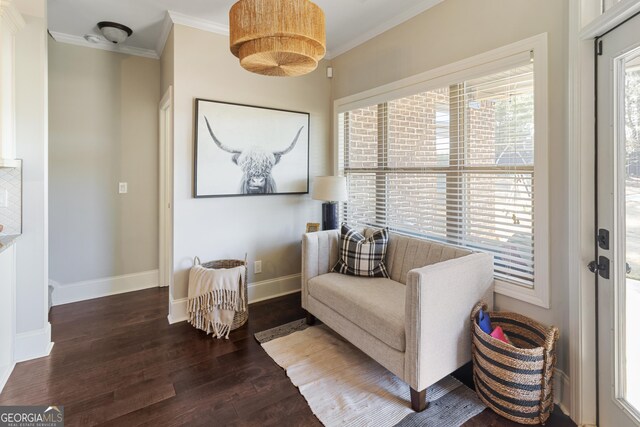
(4, 198)
(257, 267)
(122, 188)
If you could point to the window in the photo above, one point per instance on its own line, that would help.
(455, 162)
(608, 4)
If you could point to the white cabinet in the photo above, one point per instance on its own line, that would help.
(7, 307)
(10, 23)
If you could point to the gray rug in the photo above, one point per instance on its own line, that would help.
(281, 331)
(343, 386)
(451, 410)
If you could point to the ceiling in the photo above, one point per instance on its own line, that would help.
(349, 22)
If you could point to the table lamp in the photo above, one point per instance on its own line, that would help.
(330, 189)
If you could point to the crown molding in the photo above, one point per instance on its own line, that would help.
(385, 26)
(104, 45)
(173, 17)
(11, 16)
(167, 24)
(199, 23)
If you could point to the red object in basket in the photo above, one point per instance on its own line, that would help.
(499, 334)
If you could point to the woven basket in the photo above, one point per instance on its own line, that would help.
(240, 317)
(516, 381)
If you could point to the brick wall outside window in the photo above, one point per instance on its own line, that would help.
(453, 164)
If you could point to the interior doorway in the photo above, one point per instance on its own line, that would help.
(618, 224)
(165, 253)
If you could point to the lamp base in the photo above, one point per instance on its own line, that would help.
(329, 216)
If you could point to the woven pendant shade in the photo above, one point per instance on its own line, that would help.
(277, 37)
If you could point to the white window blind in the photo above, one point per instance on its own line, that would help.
(454, 164)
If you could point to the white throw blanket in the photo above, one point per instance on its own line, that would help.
(214, 297)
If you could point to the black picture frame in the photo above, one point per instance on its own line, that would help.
(239, 147)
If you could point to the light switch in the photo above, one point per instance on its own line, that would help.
(122, 188)
(4, 198)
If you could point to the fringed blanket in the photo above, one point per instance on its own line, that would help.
(214, 297)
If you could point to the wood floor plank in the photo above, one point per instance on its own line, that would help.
(219, 392)
(291, 411)
(125, 400)
(117, 362)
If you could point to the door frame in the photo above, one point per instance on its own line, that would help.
(165, 205)
(586, 22)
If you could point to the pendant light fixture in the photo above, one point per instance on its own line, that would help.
(277, 37)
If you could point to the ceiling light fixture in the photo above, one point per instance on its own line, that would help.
(92, 38)
(277, 37)
(114, 32)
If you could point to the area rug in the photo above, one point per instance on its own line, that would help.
(343, 386)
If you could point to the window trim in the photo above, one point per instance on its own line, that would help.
(465, 69)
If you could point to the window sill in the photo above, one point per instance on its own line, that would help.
(536, 295)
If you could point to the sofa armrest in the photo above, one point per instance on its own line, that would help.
(439, 298)
(319, 255)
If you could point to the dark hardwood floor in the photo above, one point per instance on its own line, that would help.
(116, 361)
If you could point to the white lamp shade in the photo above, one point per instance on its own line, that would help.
(330, 188)
(114, 35)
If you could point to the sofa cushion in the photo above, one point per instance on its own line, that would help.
(362, 256)
(373, 304)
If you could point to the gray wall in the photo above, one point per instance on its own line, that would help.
(458, 29)
(268, 228)
(103, 129)
(31, 147)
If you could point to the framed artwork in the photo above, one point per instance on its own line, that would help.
(243, 150)
(312, 227)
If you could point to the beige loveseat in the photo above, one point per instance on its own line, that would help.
(415, 324)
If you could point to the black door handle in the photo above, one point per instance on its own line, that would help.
(601, 267)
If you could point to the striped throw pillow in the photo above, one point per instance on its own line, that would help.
(361, 256)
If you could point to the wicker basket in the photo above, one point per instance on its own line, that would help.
(240, 317)
(516, 381)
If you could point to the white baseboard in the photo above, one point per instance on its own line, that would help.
(273, 288)
(562, 391)
(258, 291)
(177, 310)
(5, 373)
(90, 289)
(33, 344)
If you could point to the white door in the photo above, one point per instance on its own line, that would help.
(618, 192)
